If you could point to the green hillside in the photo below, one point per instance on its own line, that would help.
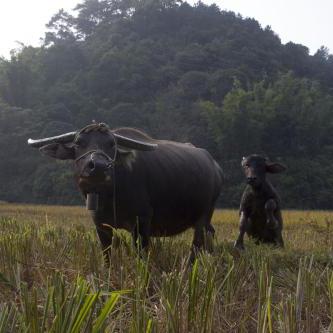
(181, 72)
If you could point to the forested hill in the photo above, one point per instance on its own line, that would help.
(188, 73)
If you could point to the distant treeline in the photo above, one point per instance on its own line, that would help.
(189, 73)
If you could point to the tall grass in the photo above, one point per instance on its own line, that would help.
(52, 278)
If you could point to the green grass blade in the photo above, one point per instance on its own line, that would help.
(108, 307)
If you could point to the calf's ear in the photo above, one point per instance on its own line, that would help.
(59, 151)
(275, 167)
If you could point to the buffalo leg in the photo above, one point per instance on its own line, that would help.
(141, 233)
(278, 238)
(270, 208)
(243, 221)
(202, 227)
(209, 228)
(198, 241)
(278, 235)
(209, 232)
(274, 222)
(105, 235)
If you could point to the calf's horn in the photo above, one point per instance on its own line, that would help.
(63, 138)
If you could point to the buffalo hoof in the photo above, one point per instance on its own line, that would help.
(239, 246)
(193, 255)
(279, 243)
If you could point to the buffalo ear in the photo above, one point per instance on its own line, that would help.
(59, 151)
(275, 167)
(126, 157)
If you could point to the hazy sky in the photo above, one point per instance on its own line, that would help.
(307, 22)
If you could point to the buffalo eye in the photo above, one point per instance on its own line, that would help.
(111, 142)
(79, 142)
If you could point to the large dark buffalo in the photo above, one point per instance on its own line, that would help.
(148, 187)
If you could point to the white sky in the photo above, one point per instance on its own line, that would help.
(307, 22)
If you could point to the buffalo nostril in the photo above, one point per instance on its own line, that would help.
(91, 165)
(251, 179)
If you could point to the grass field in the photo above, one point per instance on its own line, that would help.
(52, 278)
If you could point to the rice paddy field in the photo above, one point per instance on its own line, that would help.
(53, 279)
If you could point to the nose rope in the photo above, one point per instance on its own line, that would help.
(112, 166)
(99, 152)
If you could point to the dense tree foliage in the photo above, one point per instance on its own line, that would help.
(189, 73)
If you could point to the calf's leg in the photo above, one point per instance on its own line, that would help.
(270, 208)
(274, 221)
(278, 238)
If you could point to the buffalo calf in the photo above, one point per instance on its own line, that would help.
(260, 215)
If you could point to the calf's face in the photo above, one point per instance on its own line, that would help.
(255, 168)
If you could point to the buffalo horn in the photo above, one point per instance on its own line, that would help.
(133, 143)
(63, 138)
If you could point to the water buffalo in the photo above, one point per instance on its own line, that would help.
(260, 214)
(148, 187)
